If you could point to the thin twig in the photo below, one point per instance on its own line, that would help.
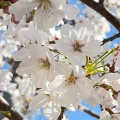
(111, 38)
(85, 109)
(99, 8)
(4, 106)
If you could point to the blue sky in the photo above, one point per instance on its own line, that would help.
(79, 115)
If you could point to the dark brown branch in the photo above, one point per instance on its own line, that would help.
(63, 109)
(84, 109)
(111, 38)
(4, 106)
(101, 1)
(99, 8)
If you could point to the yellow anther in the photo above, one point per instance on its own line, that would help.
(9, 114)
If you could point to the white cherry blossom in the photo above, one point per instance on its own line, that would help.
(114, 80)
(5, 78)
(78, 43)
(105, 115)
(40, 65)
(48, 12)
(52, 57)
(68, 83)
(51, 109)
(26, 87)
(104, 97)
(27, 37)
(110, 79)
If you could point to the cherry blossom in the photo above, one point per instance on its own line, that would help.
(39, 65)
(58, 57)
(26, 87)
(69, 82)
(50, 108)
(106, 116)
(5, 78)
(48, 12)
(78, 43)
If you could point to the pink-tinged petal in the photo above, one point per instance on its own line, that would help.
(21, 8)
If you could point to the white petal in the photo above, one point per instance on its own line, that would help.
(26, 87)
(70, 11)
(38, 101)
(104, 115)
(21, 8)
(67, 31)
(19, 56)
(47, 19)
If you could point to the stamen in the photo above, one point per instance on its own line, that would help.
(43, 64)
(78, 46)
(70, 79)
(45, 4)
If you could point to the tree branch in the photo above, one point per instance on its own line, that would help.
(111, 38)
(4, 106)
(101, 1)
(99, 8)
(86, 110)
(82, 108)
(63, 109)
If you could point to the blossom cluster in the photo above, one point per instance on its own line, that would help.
(60, 64)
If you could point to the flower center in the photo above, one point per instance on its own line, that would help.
(43, 64)
(45, 4)
(49, 97)
(47, 100)
(29, 42)
(78, 46)
(71, 79)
